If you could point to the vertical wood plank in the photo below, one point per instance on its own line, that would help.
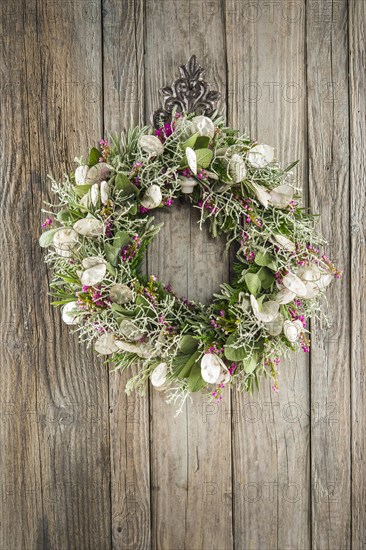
(21, 507)
(61, 68)
(129, 416)
(328, 123)
(191, 454)
(357, 58)
(266, 99)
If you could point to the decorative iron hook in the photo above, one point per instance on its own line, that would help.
(188, 94)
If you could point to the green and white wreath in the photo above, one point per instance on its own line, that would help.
(102, 225)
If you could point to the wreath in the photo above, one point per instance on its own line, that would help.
(103, 223)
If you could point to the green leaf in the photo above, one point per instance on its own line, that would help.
(190, 142)
(94, 157)
(188, 344)
(112, 254)
(195, 380)
(124, 185)
(81, 190)
(266, 276)
(188, 364)
(264, 259)
(250, 363)
(68, 216)
(202, 142)
(291, 166)
(121, 239)
(204, 157)
(234, 353)
(46, 239)
(253, 283)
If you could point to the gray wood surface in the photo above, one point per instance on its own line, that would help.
(84, 467)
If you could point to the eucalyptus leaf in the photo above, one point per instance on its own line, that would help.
(234, 353)
(204, 157)
(188, 344)
(195, 380)
(46, 239)
(266, 276)
(191, 141)
(202, 142)
(124, 185)
(94, 157)
(81, 190)
(253, 283)
(264, 259)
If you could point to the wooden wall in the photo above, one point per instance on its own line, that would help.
(81, 465)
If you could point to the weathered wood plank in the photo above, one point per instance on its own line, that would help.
(357, 61)
(266, 63)
(328, 145)
(60, 98)
(21, 507)
(187, 452)
(129, 416)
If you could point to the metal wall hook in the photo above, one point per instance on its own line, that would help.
(188, 94)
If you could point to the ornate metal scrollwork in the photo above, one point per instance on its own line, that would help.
(188, 94)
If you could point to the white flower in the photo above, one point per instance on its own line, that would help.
(268, 311)
(145, 351)
(94, 194)
(69, 313)
(281, 196)
(285, 296)
(237, 169)
(324, 281)
(89, 227)
(130, 331)
(192, 160)
(275, 327)
(97, 173)
(120, 294)
(106, 344)
(284, 242)
(211, 368)
(261, 155)
(64, 241)
(104, 192)
(295, 284)
(309, 273)
(203, 125)
(95, 270)
(151, 145)
(292, 330)
(80, 174)
(152, 197)
(312, 290)
(262, 194)
(158, 376)
(187, 184)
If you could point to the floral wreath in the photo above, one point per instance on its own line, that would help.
(102, 225)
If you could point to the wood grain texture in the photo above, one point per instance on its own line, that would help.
(185, 490)
(266, 92)
(81, 465)
(357, 81)
(65, 386)
(129, 416)
(328, 149)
